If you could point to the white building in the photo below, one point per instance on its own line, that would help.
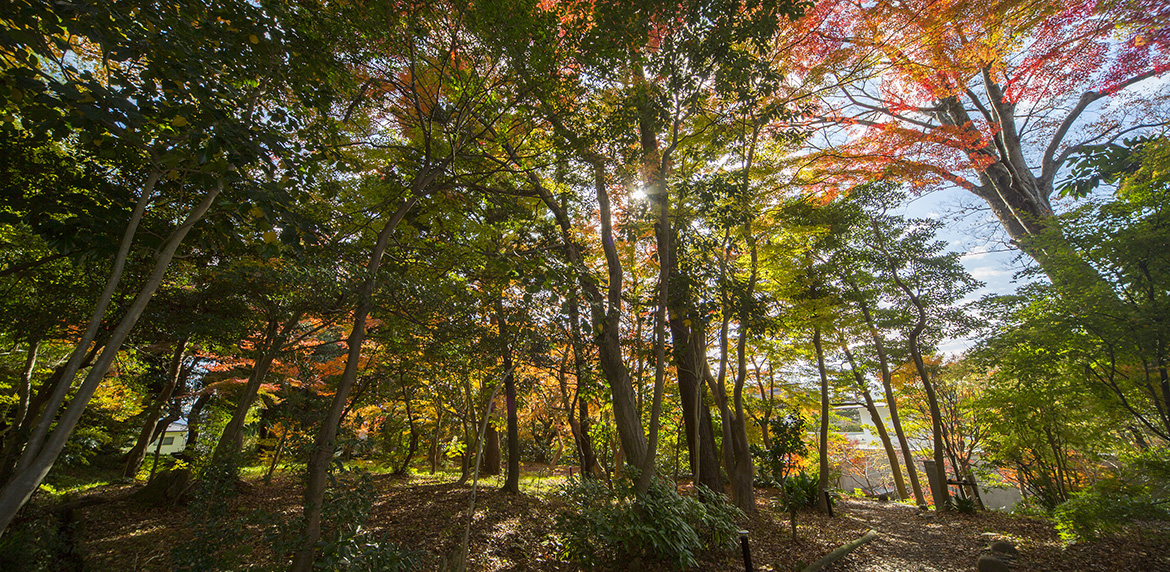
(174, 440)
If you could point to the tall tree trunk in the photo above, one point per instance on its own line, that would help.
(36, 461)
(433, 454)
(323, 444)
(627, 418)
(879, 425)
(470, 432)
(823, 434)
(655, 162)
(276, 457)
(275, 338)
(605, 312)
(36, 440)
(159, 432)
(193, 423)
(742, 491)
(16, 439)
(586, 454)
(940, 488)
(689, 349)
(12, 436)
(491, 446)
(24, 387)
(891, 401)
(151, 425)
(414, 436)
(512, 479)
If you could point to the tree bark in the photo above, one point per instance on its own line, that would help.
(941, 490)
(36, 461)
(892, 402)
(151, 425)
(193, 422)
(742, 489)
(323, 445)
(586, 454)
(512, 479)
(689, 349)
(414, 436)
(35, 441)
(823, 434)
(433, 454)
(656, 189)
(276, 336)
(879, 425)
(491, 446)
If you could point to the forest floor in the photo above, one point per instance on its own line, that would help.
(512, 533)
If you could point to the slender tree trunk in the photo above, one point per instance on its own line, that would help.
(879, 425)
(587, 455)
(690, 360)
(36, 461)
(12, 435)
(323, 445)
(470, 433)
(491, 446)
(150, 426)
(823, 435)
(193, 422)
(276, 457)
(512, 479)
(942, 491)
(24, 385)
(275, 338)
(32, 449)
(892, 402)
(413, 447)
(606, 313)
(656, 189)
(742, 490)
(433, 453)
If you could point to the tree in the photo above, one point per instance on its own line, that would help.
(932, 282)
(993, 97)
(166, 96)
(434, 90)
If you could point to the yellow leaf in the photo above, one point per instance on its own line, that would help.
(270, 237)
(256, 212)
(180, 121)
(252, 38)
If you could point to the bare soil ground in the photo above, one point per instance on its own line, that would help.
(512, 533)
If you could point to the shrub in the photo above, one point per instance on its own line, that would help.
(1140, 491)
(599, 526)
(800, 491)
(787, 448)
(211, 522)
(964, 505)
(344, 544)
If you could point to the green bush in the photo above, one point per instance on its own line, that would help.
(964, 505)
(346, 546)
(787, 448)
(600, 526)
(211, 523)
(800, 491)
(1140, 491)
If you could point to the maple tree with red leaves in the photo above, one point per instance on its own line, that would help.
(993, 97)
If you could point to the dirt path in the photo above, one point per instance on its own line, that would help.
(915, 541)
